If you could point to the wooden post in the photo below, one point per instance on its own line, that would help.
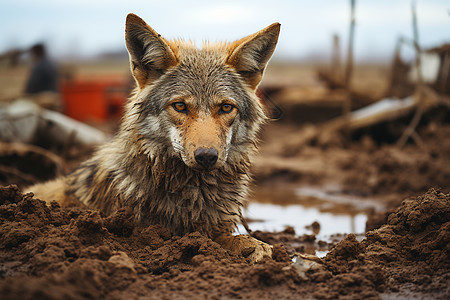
(336, 56)
(410, 130)
(396, 63)
(416, 44)
(349, 68)
(445, 67)
(347, 106)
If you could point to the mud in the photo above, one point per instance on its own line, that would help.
(49, 252)
(26, 164)
(362, 167)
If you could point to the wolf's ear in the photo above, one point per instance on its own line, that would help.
(250, 55)
(150, 55)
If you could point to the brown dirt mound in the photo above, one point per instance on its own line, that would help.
(413, 247)
(49, 252)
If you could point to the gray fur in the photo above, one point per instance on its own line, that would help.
(143, 167)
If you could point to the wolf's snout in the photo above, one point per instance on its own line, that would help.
(206, 157)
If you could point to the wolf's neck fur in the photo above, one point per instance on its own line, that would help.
(160, 188)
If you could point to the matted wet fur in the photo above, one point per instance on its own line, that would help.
(182, 154)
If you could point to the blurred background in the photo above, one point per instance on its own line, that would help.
(91, 29)
(358, 90)
(86, 38)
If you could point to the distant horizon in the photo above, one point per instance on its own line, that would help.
(121, 55)
(85, 29)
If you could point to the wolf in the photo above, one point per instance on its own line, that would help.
(182, 154)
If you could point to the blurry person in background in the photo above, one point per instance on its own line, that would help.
(43, 82)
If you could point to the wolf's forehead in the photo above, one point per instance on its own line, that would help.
(208, 54)
(202, 65)
(203, 73)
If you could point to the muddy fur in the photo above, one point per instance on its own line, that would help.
(149, 166)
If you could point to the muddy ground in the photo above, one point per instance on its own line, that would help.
(76, 253)
(49, 252)
(73, 253)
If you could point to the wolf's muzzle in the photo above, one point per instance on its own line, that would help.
(206, 157)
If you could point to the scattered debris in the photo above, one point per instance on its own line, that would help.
(24, 121)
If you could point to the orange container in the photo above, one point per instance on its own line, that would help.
(89, 100)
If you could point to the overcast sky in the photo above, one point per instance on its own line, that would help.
(89, 27)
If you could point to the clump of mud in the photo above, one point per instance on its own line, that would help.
(306, 243)
(414, 245)
(71, 253)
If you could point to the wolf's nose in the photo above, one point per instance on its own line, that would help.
(206, 157)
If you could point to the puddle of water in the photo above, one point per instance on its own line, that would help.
(273, 217)
(272, 209)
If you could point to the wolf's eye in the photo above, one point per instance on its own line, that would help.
(226, 108)
(180, 107)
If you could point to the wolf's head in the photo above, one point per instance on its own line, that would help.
(197, 104)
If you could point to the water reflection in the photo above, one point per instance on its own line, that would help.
(273, 217)
(274, 208)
